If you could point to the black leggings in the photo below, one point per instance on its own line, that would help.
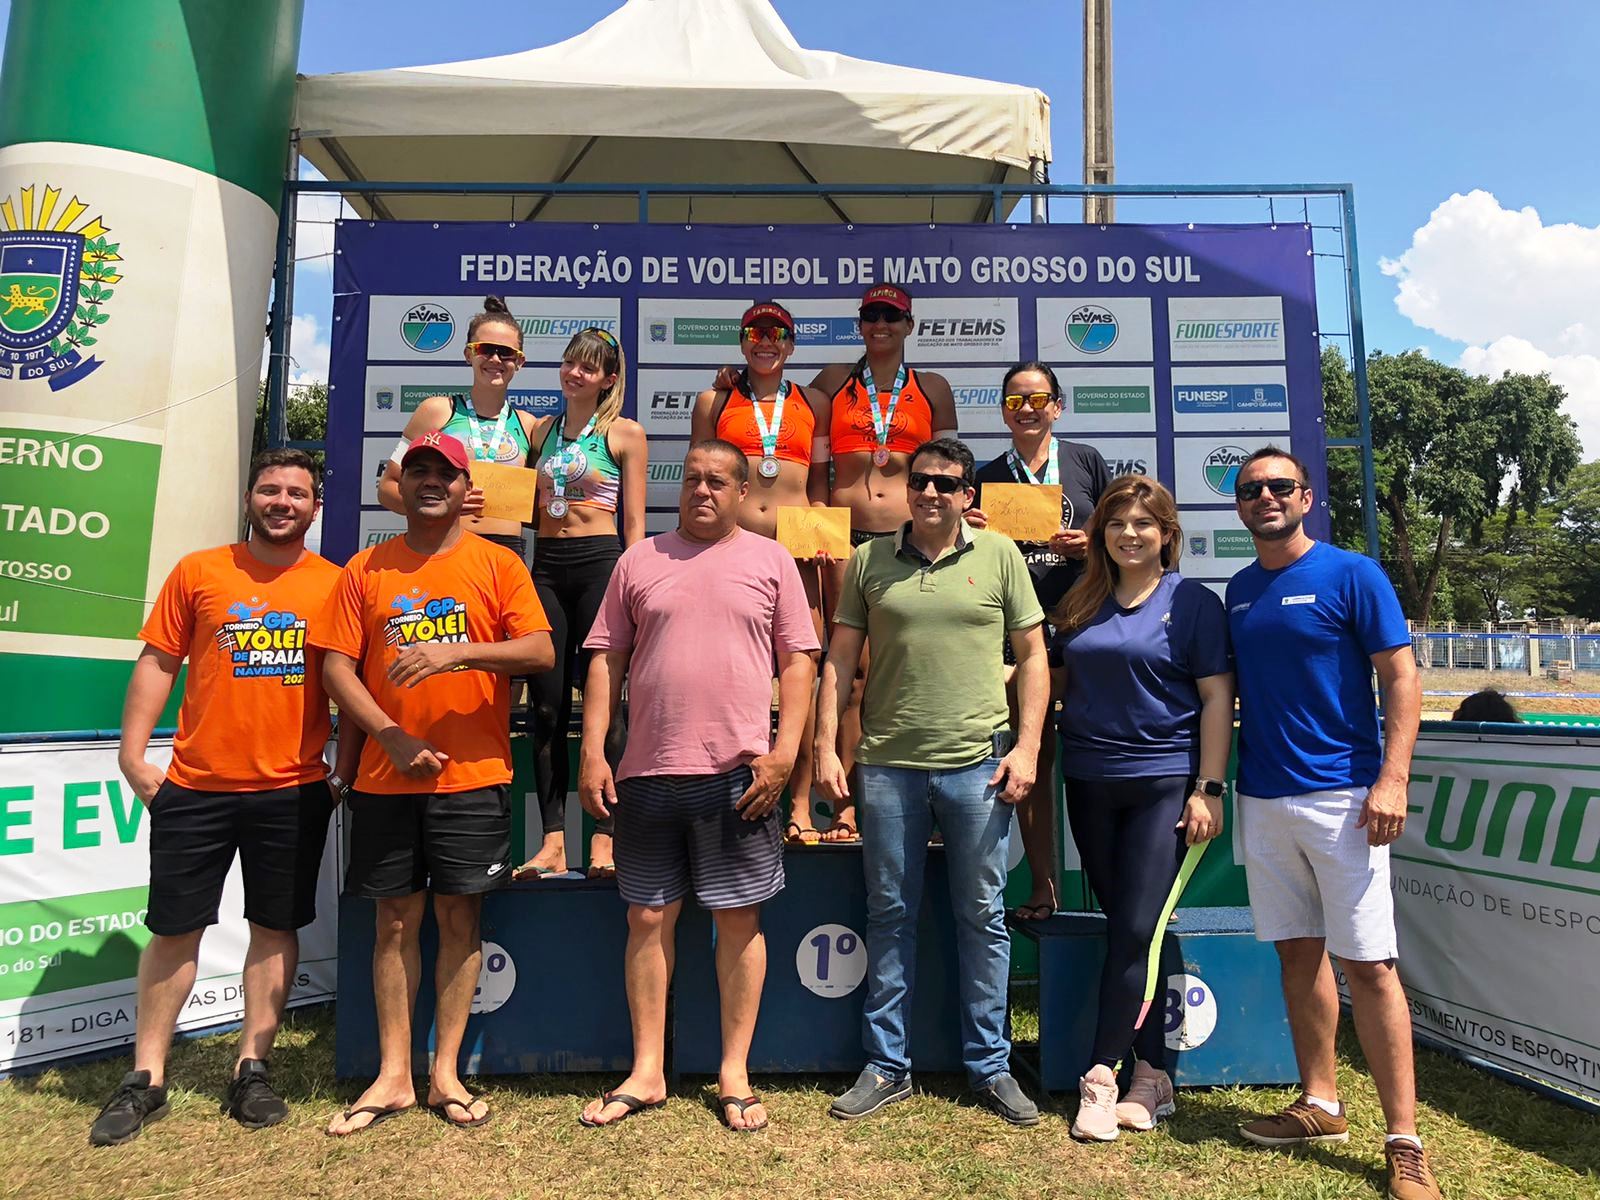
(571, 576)
(1133, 856)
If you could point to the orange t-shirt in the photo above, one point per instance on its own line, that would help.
(254, 715)
(736, 423)
(390, 596)
(911, 425)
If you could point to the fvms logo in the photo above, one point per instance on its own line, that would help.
(1092, 329)
(1221, 468)
(427, 328)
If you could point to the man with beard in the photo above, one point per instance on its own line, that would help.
(247, 777)
(422, 634)
(1319, 801)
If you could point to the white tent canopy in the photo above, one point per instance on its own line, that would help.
(673, 91)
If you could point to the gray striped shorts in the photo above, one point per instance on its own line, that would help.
(677, 832)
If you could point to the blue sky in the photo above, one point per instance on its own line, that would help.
(1413, 101)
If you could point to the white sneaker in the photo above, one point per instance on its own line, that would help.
(1097, 1106)
(1148, 1099)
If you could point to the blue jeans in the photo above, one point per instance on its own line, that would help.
(899, 806)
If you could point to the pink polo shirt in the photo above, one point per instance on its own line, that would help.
(704, 622)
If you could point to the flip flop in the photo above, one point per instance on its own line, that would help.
(602, 870)
(521, 873)
(855, 835)
(441, 1110)
(724, 1102)
(379, 1115)
(632, 1107)
(794, 835)
(1034, 912)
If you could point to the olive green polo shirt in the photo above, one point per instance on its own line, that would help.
(936, 689)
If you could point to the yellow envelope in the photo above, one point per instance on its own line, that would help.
(808, 532)
(1024, 512)
(508, 492)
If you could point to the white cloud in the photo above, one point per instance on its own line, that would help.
(308, 351)
(1524, 295)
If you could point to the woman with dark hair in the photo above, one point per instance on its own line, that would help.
(781, 428)
(591, 463)
(1030, 405)
(482, 420)
(1488, 705)
(1146, 684)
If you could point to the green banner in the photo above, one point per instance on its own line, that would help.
(70, 941)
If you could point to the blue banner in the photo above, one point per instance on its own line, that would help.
(1179, 349)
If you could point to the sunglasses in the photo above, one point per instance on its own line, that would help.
(1281, 488)
(1034, 400)
(765, 333)
(945, 485)
(872, 314)
(495, 350)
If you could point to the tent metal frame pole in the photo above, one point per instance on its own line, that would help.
(1038, 192)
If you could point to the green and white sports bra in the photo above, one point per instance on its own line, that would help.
(589, 474)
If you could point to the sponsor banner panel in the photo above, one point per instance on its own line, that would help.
(1215, 545)
(379, 525)
(1125, 455)
(1225, 328)
(434, 328)
(1225, 398)
(74, 839)
(1496, 885)
(1206, 469)
(1109, 398)
(393, 392)
(1100, 329)
(665, 479)
(984, 297)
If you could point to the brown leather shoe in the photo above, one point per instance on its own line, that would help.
(1301, 1124)
(1410, 1176)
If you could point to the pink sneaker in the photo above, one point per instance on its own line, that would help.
(1148, 1099)
(1097, 1106)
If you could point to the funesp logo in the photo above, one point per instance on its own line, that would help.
(1092, 329)
(427, 328)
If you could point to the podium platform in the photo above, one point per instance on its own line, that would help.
(810, 1018)
(550, 995)
(1220, 1003)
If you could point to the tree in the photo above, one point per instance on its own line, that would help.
(305, 414)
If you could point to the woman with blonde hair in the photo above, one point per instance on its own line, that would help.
(1146, 684)
(591, 463)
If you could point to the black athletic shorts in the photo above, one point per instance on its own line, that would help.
(860, 537)
(278, 835)
(453, 843)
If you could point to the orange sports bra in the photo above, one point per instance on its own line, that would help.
(911, 425)
(736, 423)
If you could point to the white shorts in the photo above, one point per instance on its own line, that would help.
(1311, 873)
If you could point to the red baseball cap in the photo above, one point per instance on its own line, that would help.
(447, 447)
(887, 293)
(769, 310)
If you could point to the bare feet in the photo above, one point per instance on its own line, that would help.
(385, 1095)
(551, 859)
(602, 865)
(843, 828)
(608, 1112)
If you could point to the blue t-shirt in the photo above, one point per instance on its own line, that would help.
(1131, 708)
(1304, 636)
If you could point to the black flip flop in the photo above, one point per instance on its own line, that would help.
(748, 1102)
(441, 1110)
(379, 1115)
(794, 835)
(855, 834)
(632, 1106)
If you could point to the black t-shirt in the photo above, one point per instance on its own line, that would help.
(1084, 478)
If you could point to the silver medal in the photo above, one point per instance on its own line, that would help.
(880, 456)
(557, 507)
(768, 467)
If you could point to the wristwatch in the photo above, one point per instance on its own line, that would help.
(1209, 787)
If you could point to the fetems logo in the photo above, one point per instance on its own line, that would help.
(427, 328)
(1221, 469)
(1092, 329)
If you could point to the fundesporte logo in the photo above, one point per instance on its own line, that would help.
(1092, 329)
(1221, 468)
(427, 328)
(57, 272)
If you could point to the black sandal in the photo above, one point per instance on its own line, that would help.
(749, 1102)
(632, 1107)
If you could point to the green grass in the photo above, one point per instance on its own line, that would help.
(1490, 1139)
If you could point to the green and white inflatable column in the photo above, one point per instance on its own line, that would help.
(142, 148)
